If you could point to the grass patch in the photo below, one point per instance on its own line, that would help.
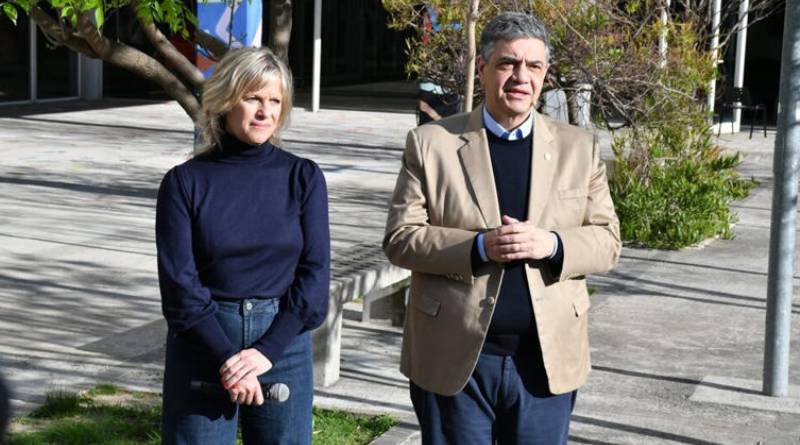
(109, 415)
(58, 404)
(332, 427)
(104, 389)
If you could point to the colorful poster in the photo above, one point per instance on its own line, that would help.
(234, 22)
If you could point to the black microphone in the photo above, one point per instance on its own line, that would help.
(277, 392)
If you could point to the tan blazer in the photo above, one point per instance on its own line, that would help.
(445, 195)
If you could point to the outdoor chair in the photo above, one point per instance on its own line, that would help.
(739, 98)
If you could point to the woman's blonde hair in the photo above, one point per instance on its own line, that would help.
(241, 71)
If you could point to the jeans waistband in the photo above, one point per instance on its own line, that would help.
(239, 299)
(244, 306)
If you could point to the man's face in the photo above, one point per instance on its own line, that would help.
(512, 79)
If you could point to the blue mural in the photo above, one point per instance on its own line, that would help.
(214, 17)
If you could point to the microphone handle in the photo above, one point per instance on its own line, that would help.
(277, 392)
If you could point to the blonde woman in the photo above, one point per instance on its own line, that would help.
(243, 261)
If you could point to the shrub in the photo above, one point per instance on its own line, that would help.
(679, 194)
(673, 186)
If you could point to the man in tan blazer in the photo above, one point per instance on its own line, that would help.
(500, 214)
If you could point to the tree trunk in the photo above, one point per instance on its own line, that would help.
(280, 27)
(572, 105)
(89, 41)
(173, 59)
(579, 100)
(469, 89)
(144, 66)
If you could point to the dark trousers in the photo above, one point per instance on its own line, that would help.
(506, 401)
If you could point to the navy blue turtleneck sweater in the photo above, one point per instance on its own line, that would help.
(243, 222)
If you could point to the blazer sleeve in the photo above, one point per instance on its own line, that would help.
(594, 246)
(410, 241)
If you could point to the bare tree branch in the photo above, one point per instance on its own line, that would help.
(215, 47)
(53, 29)
(469, 74)
(173, 58)
(139, 63)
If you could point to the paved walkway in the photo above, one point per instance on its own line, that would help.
(79, 301)
(677, 336)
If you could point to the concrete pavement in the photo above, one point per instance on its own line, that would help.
(677, 336)
(79, 298)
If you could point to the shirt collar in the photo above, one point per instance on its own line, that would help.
(521, 132)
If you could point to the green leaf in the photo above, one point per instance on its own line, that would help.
(11, 12)
(191, 18)
(99, 17)
(24, 4)
(158, 14)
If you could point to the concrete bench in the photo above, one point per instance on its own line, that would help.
(361, 270)
(387, 305)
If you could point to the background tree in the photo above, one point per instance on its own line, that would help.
(469, 88)
(280, 25)
(672, 185)
(79, 25)
(611, 46)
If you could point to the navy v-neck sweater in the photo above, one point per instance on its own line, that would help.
(512, 330)
(243, 222)
(512, 322)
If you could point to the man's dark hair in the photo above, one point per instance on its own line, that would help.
(510, 26)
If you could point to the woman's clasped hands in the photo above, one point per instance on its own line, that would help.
(240, 376)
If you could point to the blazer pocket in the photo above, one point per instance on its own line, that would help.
(581, 304)
(581, 192)
(427, 305)
(460, 278)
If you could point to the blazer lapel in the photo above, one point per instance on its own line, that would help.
(544, 159)
(477, 164)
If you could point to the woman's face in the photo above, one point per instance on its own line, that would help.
(255, 118)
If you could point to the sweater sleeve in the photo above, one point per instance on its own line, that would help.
(185, 302)
(305, 304)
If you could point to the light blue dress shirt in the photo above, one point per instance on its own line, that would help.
(515, 134)
(521, 132)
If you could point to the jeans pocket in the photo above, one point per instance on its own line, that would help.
(259, 318)
(264, 306)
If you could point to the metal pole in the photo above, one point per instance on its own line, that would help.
(784, 203)
(33, 61)
(716, 7)
(317, 68)
(741, 48)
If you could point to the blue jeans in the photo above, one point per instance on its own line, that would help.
(506, 401)
(195, 418)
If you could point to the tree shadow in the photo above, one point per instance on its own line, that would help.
(641, 431)
(682, 380)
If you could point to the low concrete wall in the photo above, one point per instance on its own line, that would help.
(360, 271)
